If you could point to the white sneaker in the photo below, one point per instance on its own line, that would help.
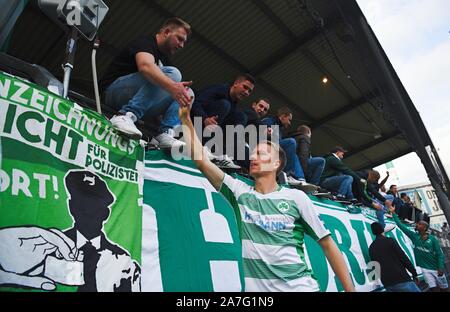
(165, 140)
(192, 96)
(125, 124)
(292, 181)
(389, 227)
(225, 161)
(307, 187)
(209, 154)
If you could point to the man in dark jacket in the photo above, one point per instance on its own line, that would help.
(393, 261)
(282, 121)
(336, 176)
(407, 212)
(259, 110)
(398, 202)
(312, 166)
(367, 191)
(218, 106)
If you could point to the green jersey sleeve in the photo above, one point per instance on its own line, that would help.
(411, 234)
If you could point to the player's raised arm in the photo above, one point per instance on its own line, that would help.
(211, 171)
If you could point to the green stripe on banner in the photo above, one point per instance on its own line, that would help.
(157, 155)
(328, 207)
(256, 268)
(167, 166)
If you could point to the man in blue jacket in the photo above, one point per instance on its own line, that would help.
(217, 106)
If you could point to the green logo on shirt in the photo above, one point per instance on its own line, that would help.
(283, 207)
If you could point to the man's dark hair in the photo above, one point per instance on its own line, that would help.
(304, 129)
(176, 22)
(392, 186)
(403, 195)
(244, 77)
(284, 111)
(262, 99)
(338, 149)
(375, 173)
(427, 226)
(377, 228)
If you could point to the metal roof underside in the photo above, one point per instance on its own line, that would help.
(277, 41)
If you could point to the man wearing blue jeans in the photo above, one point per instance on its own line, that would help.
(369, 194)
(141, 81)
(336, 176)
(315, 169)
(293, 167)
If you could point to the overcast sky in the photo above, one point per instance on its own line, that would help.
(416, 37)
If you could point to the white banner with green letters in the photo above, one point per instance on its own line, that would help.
(190, 237)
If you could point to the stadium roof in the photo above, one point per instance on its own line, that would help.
(290, 46)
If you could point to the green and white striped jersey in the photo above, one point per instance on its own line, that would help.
(272, 228)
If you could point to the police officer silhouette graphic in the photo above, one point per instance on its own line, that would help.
(106, 266)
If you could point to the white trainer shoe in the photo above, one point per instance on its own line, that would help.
(307, 187)
(192, 96)
(165, 140)
(208, 153)
(225, 162)
(293, 181)
(389, 227)
(125, 124)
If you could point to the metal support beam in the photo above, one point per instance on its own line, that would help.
(402, 105)
(283, 53)
(342, 111)
(373, 143)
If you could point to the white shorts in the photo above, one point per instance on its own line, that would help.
(433, 280)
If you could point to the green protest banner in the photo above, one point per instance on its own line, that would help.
(70, 196)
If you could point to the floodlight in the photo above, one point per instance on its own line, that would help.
(84, 15)
(77, 16)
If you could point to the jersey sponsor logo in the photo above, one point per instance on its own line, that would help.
(283, 207)
(270, 223)
(423, 249)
